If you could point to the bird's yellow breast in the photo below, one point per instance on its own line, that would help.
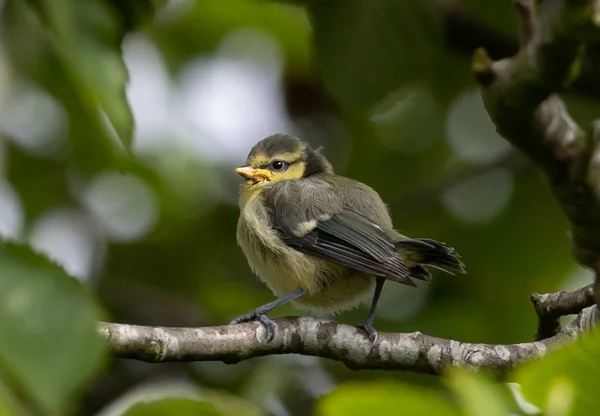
(330, 286)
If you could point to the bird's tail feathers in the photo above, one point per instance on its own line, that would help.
(427, 252)
(419, 272)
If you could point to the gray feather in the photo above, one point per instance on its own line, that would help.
(310, 217)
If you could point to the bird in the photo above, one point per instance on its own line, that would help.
(324, 242)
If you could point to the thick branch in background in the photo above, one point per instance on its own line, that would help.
(320, 338)
(550, 307)
(465, 33)
(519, 94)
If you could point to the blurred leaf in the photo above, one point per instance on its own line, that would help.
(134, 13)
(49, 345)
(498, 14)
(566, 381)
(5, 410)
(366, 49)
(208, 23)
(46, 191)
(520, 402)
(407, 113)
(87, 39)
(383, 398)
(9, 405)
(477, 395)
(172, 406)
(229, 404)
(72, 49)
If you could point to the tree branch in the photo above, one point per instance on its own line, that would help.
(525, 19)
(321, 338)
(464, 33)
(519, 94)
(550, 307)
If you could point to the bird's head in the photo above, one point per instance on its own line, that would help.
(281, 157)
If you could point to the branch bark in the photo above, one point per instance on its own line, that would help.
(519, 94)
(550, 307)
(327, 339)
(321, 338)
(464, 33)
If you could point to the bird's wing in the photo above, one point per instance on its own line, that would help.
(309, 217)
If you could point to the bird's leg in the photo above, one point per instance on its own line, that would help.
(259, 314)
(367, 324)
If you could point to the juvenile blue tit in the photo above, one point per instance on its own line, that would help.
(322, 241)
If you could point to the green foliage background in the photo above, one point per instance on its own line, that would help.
(383, 85)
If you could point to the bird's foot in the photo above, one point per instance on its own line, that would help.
(371, 332)
(256, 315)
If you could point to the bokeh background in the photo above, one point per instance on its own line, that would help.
(121, 124)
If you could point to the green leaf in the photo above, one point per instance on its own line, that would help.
(5, 410)
(230, 404)
(367, 49)
(497, 15)
(49, 346)
(87, 40)
(477, 395)
(72, 49)
(172, 406)
(383, 398)
(9, 404)
(136, 12)
(566, 381)
(207, 23)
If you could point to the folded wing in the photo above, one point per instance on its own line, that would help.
(309, 218)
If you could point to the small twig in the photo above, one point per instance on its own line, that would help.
(550, 307)
(525, 20)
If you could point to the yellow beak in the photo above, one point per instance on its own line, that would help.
(253, 174)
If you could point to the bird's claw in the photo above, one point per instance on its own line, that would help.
(270, 326)
(367, 326)
(247, 317)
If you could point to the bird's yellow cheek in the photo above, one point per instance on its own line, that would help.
(294, 171)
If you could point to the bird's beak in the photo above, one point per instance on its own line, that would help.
(253, 174)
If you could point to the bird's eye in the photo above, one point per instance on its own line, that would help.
(279, 166)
